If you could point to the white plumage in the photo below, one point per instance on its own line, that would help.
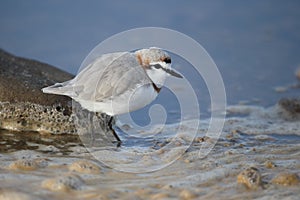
(118, 83)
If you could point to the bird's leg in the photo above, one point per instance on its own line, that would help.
(110, 125)
(91, 127)
(110, 121)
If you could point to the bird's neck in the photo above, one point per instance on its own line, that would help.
(158, 77)
(157, 89)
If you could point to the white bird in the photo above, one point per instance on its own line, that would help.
(118, 83)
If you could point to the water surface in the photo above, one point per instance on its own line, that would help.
(256, 47)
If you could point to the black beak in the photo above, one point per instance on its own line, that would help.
(172, 72)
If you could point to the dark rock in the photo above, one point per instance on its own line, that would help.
(297, 73)
(289, 108)
(286, 179)
(250, 177)
(24, 107)
(67, 182)
(21, 80)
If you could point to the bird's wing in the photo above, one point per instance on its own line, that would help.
(108, 76)
(80, 84)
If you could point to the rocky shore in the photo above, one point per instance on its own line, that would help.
(256, 156)
(23, 106)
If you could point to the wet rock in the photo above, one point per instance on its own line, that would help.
(95, 123)
(269, 164)
(159, 196)
(187, 194)
(27, 116)
(286, 179)
(85, 166)
(297, 73)
(23, 106)
(289, 108)
(250, 177)
(142, 193)
(64, 183)
(28, 164)
(21, 80)
(10, 194)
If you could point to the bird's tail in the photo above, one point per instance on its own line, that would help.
(60, 89)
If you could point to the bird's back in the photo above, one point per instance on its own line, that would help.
(108, 76)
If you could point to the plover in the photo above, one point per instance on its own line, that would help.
(120, 82)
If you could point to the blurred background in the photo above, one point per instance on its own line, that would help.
(255, 44)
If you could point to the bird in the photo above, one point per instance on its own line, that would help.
(119, 82)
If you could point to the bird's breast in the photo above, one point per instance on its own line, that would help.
(141, 96)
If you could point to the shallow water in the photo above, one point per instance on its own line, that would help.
(256, 48)
(255, 44)
(240, 146)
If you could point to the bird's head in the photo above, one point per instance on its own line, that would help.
(157, 64)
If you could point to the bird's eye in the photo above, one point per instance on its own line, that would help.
(167, 60)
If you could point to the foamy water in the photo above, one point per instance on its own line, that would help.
(46, 167)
